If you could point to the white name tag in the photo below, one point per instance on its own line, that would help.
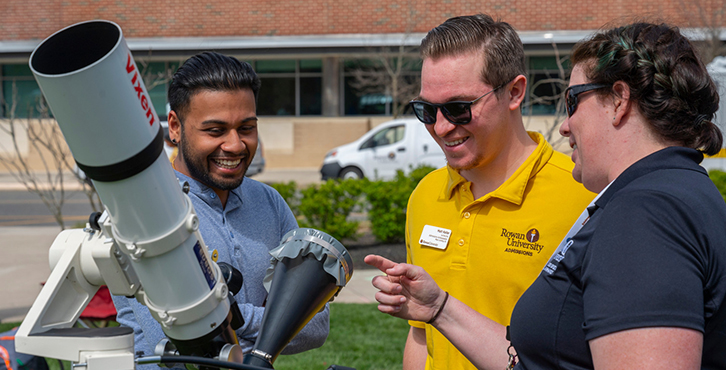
(435, 237)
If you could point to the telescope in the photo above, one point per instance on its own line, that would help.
(146, 243)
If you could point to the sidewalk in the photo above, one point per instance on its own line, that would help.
(24, 265)
(8, 182)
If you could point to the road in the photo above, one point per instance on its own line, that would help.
(19, 207)
(22, 208)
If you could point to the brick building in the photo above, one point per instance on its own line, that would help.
(314, 55)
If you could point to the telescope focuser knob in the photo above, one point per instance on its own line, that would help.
(232, 277)
(93, 220)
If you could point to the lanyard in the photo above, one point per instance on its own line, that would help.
(566, 242)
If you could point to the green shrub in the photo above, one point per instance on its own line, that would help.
(387, 201)
(417, 174)
(327, 207)
(719, 178)
(289, 193)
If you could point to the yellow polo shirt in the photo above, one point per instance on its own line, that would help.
(486, 252)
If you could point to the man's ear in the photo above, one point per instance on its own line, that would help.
(621, 101)
(174, 126)
(516, 92)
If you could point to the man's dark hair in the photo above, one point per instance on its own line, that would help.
(209, 71)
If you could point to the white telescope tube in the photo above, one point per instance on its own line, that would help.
(97, 95)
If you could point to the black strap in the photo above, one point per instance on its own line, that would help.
(129, 167)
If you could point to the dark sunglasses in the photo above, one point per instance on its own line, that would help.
(573, 91)
(456, 112)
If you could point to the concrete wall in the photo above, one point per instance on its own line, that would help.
(37, 157)
(303, 142)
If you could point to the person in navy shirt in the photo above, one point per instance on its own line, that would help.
(642, 282)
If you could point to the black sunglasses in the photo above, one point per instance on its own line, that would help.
(456, 112)
(573, 91)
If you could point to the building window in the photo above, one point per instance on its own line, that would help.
(157, 76)
(21, 96)
(546, 85)
(290, 87)
(27, 95)
(367, 86)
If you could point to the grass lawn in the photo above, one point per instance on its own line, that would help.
(360, 337)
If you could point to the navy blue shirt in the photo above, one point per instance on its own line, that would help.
(652, 254)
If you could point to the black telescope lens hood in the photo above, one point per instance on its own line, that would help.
(308, 269)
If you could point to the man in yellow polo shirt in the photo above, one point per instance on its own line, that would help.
(484, 226)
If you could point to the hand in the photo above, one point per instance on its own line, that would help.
(407, 291)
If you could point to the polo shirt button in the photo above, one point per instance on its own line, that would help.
(461, 242)
(467, 214)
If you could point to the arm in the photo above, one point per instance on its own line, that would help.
(311, 336)
(409, 292)
(648, 348)
(414, 355)
(127, 317)
(314, 334)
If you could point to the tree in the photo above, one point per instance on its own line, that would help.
(49, 177)
(393, 72)
(45, 139)
(708, 18)
(549, 91)
(151, 77)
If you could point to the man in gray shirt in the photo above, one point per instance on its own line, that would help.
(213, 121)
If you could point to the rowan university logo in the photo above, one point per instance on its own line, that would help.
(522, 243)
(532, 235)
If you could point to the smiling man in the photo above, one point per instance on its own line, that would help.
(213, 121)
(219, 139)
(482, 226)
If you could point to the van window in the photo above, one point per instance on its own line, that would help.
(386, 136)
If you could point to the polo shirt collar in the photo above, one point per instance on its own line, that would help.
(512, 190)
(674, 157)
(208, 196)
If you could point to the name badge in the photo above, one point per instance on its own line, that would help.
(435, 237)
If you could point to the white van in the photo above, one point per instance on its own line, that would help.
(395, 145)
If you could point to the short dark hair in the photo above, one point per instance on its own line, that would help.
(667, 80)
(209, 71)
(498, 42)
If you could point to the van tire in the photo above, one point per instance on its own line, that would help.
(351, 173)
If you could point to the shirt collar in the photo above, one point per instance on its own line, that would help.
(206, 194)
(512, 190)
(674, 157)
